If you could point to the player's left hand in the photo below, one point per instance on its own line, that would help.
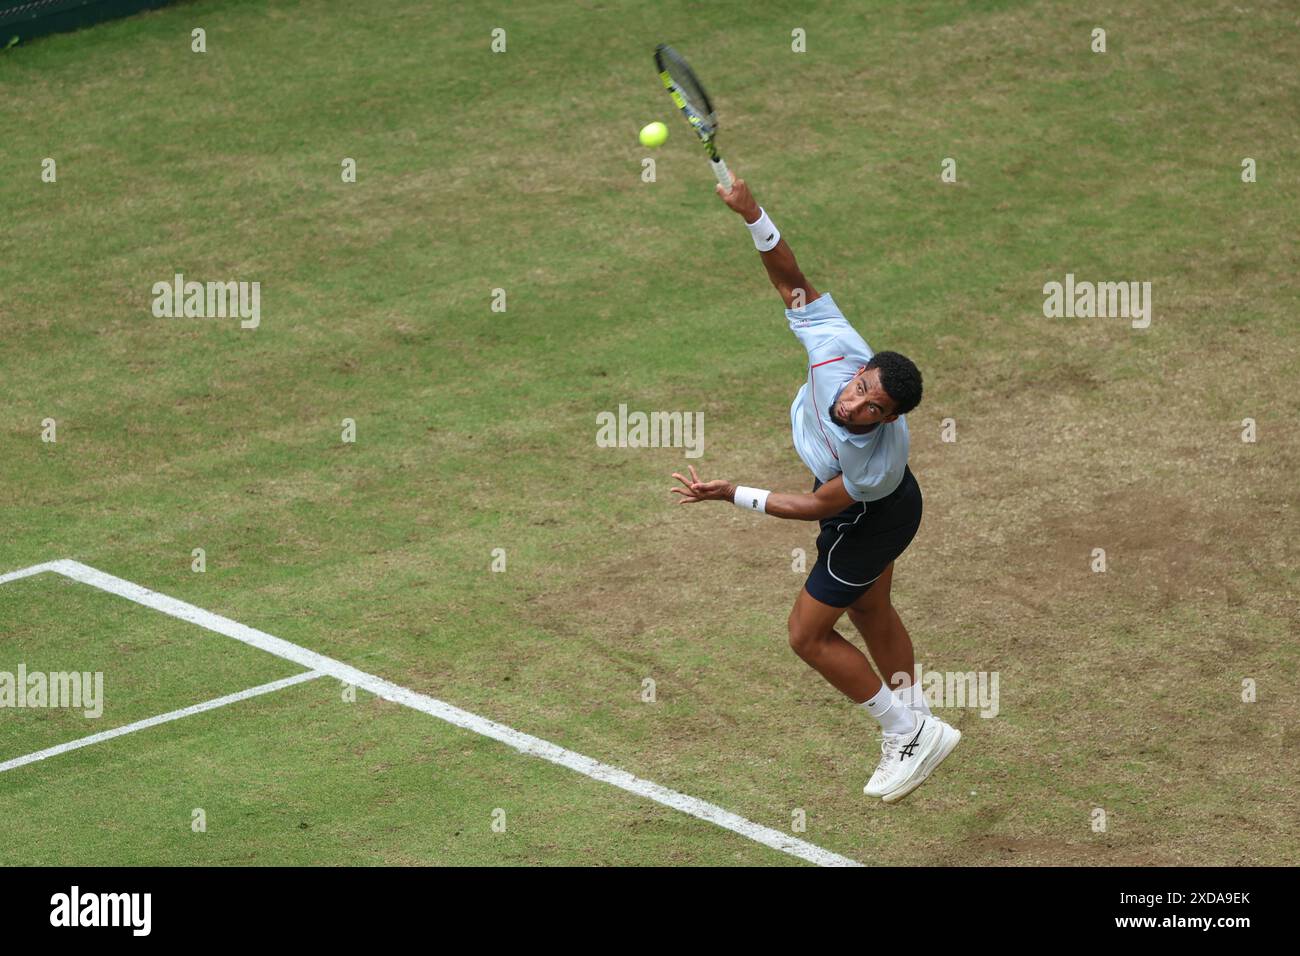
(739, 199)
(696, 490)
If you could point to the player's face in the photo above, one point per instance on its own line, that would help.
(863, 402)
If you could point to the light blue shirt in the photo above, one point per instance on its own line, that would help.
(872, 464)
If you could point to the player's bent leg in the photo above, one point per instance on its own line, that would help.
(870, 613)
(883, 632)
(814, 638)
(853, 573)
(907, 757)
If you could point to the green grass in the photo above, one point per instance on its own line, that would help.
(476, 429)
(150, 663)
(300, 778)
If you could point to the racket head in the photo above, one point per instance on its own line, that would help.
(686, 90)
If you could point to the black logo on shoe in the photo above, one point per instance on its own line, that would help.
(910, 747)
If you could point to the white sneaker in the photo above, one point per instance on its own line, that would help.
(907, 759)
(890, 757)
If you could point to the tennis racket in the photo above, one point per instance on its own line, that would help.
(684, 87)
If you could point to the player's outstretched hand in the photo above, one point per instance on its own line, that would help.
(696, 490)
(740, 200)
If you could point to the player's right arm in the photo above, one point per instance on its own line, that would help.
(782, 269)
(830, 499)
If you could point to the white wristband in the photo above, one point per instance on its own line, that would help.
(751, 499)
(765, 233)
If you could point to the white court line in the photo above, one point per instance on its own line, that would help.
(160, 719)
(28, 572)
(525, 743)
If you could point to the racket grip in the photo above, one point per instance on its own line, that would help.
(720, 170)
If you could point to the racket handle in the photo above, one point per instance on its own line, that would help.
(720, 170)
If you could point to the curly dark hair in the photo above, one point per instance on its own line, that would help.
(900, 377)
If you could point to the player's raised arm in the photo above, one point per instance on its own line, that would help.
(775, 252)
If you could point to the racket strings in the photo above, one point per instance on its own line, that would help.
(690, 92)
(689, 96)
(695, 108)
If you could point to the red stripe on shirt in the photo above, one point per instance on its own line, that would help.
(813, 383)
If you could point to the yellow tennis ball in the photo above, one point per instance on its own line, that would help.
(654, 134)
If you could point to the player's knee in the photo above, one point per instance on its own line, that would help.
(804, 640)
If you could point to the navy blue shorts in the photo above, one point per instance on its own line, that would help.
(856, 545)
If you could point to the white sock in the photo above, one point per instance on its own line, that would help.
(914, 697)
(895, 717)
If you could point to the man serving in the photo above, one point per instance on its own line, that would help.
(850, 431)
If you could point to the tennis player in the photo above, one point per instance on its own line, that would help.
(850, 430)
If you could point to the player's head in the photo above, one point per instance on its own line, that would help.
(887, 386)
